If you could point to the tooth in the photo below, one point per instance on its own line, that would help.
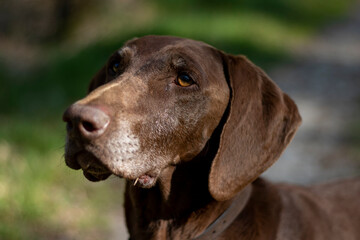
(136, 181)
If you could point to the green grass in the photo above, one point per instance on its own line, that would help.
(40, 198)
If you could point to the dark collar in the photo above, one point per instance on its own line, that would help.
(227, 217)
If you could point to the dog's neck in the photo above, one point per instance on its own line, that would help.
(179, 203)
(180, 207)
(186, 186)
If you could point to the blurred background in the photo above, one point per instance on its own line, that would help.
(49, 50)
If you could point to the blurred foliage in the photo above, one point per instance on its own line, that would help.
(309, 12)
(265, 31)
(39, 197)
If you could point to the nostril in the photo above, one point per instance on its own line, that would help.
(86, 121)
(92, 128)
(88, 126)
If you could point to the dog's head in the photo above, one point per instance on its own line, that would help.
(157, 102)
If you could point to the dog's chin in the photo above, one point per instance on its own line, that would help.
(145, 181)
(94, 170)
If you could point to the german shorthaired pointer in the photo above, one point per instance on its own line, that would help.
(191, 129)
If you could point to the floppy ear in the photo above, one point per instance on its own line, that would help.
(261, 122)
(98, 80)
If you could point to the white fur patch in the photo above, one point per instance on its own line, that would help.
(126, 158)
(123, 147)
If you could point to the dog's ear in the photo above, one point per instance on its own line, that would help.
(98, 80)
(261, 122)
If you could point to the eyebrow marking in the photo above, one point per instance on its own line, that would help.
(126, 52)
(97, 92)
(102, 89)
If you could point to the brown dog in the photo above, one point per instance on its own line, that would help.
(191, 129)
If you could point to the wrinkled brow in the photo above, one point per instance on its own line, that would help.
(182, 62)
(162, 64)
(178, 62)
(173, 63)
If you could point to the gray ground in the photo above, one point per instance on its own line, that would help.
(324, 81)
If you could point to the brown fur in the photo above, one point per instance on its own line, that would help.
(191, 150)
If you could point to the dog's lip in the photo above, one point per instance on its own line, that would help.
(71, 161)
(95, 177)
(92, 168)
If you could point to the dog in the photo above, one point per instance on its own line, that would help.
(191, 129)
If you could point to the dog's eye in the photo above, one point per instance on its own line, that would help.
(184, 80)
(115, 68)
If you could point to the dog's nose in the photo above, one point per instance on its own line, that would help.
(88, 121)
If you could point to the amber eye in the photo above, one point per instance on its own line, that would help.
(114, 68)
(184, 80)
